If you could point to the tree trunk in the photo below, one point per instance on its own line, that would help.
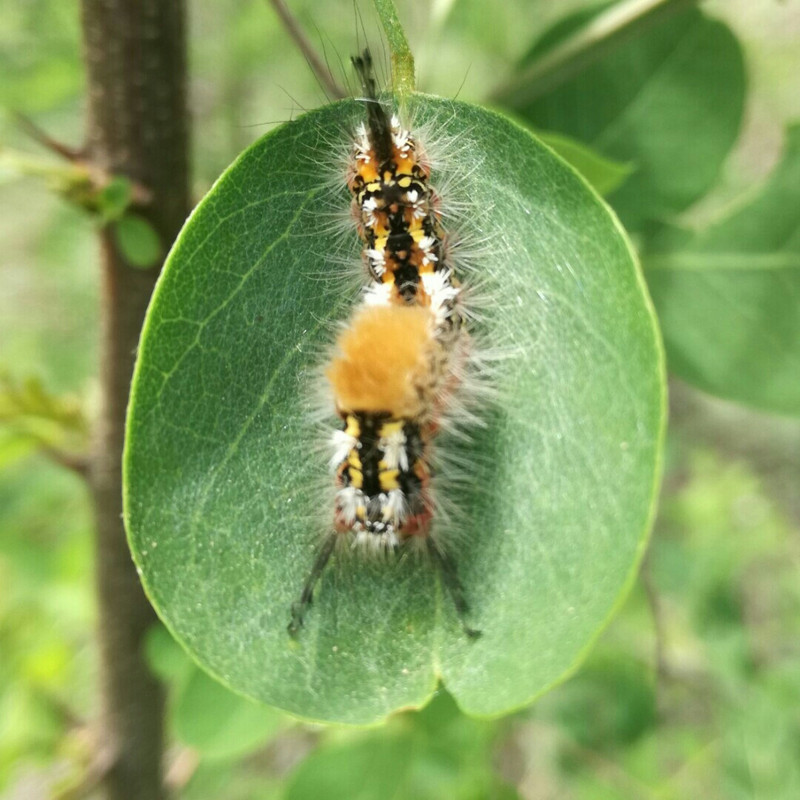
(138, 127)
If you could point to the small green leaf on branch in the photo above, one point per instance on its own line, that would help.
(137, 240)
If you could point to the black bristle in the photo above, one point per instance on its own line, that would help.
(378, 122)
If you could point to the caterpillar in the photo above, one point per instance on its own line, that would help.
(398, 363)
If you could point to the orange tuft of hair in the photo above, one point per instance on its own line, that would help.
(384, 361)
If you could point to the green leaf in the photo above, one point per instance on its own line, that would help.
(669, 101)
(14, 446)
(378, 765)
(165, 657)
(29, 412)
(428, 755)
(217, 722)
(137, 240)
(603, 174)
(583, 706)
(729, 297)
(206, 715)
(226, 492)
(114, 198)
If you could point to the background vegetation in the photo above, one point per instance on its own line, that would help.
(694, 689)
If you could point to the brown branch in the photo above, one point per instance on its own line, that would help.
(320, 70)
(657, 614)
(138, 127)
(37, 134)
(74, 462)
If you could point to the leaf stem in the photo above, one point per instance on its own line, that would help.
(657, 613)
(592, 41)
(320, 70)
(403, 79)
(41, 136)
(80, 182)
(75, 462)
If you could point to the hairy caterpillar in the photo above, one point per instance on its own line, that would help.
(399, 361)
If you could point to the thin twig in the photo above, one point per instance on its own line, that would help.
(322, 73)
(614, 773)
(182, 766)
(81, 170)
(77, 463)
(588, 44)
(72, 154)
(605, 768)
(96, 770)
(657, 613)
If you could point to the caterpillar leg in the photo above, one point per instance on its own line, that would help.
(447, 568)
(299, 608)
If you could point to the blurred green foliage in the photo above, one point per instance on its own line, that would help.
(679, 82)
(728, 295)
(694, 689)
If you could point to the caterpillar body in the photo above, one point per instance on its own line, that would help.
(384, 382)
(398, 363)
